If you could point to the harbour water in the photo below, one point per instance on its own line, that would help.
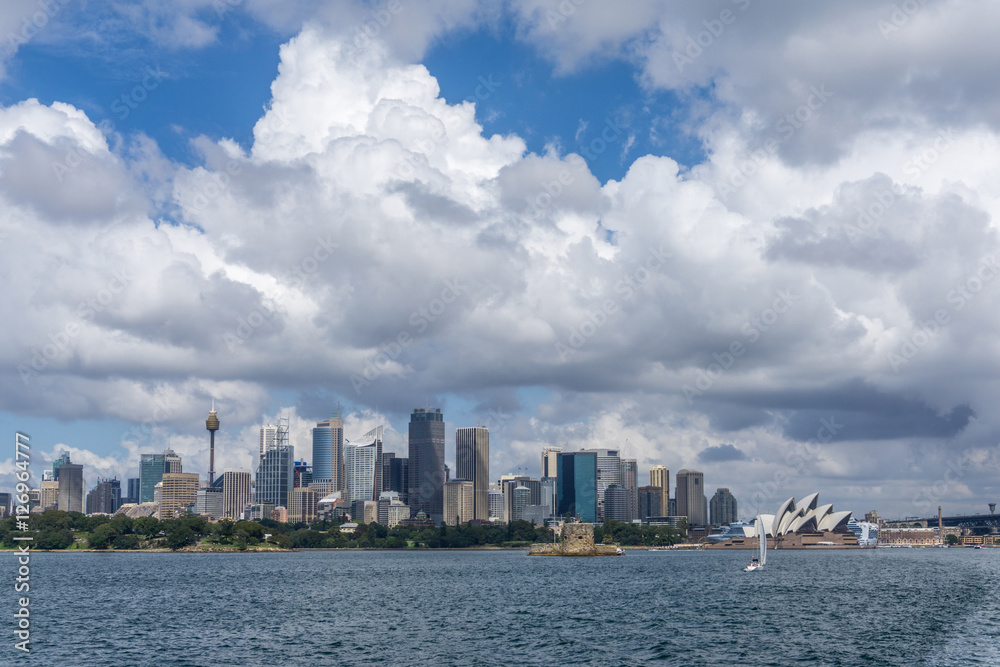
(859, 607)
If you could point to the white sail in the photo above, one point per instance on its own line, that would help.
(762, 542)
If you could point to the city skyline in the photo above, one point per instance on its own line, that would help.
(744, 239)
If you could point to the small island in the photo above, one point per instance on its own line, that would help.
(577, 540)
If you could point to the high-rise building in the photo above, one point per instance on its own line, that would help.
(49, 494)
(210, 502)
(235, 492)
(577, 483)
(723, 507)
(426, 455)
(399, 477)
(549, 496)
(496, 503)
(391, 510)
(171, 461)
(62, 460)
(459, 501)
(520, 498)
(302, 505)
(609, 471)
(691, 502)
(650, 502)
(5, 504)
(630, 481)
(660, 476)
(105, 498)
(303, 476)
(360, 463)
(133, 491)
(70, 477)
(150, 474)
(510, 482)
(180, 489)
(549, 461)
(267, 440)
(328, 451)
(275, 476)
(618, 504)
(472, 462)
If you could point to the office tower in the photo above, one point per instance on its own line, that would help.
(62, 460)
(212, 424)
(576, 481)
(387, 459)
(303, 476)
(510, 482)
(5, 504)
(235, 492)
(459, 501)
(660, 476)
(391, 510)
(690, 489)
(328, 451)
(609, 471)
(548, 499)
(70, 477)
(158, 493)
(520, 498)
(49, 494)
(180, 489)
(630, 481)
(399, 477)
(133, 491)
(549, 459)
(105, 498)
(302, 505)
(171, 461)
(275, 476)
(650, 501)
(723, 507)
(426, 454)
(617, 504)
(672, 507)
(472, 462)
(210, 502)
(150, 474)
(496, 503)
(266, 440)
(363, 467)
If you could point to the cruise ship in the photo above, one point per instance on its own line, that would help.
(865, 531)
(736, 529)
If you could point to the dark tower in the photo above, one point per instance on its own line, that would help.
(212, 424)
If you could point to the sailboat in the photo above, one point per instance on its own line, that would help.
(758, 561)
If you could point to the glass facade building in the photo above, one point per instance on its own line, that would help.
(150, 474)
(576, 480)
(426, 457)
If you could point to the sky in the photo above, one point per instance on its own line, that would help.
(753, 239)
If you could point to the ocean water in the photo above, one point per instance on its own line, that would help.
(870, 607)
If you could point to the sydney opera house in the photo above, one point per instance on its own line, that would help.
(799, 524)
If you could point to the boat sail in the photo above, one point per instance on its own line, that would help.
(761, 558)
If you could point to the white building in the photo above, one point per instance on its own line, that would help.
(359, 467)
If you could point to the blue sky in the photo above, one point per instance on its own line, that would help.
(349, 166)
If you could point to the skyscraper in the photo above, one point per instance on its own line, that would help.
(426, 455)
(459, 501)
(150, 474)
(133, 491)
(617, 504)
(328, 451)
(472, 462)
(70, 477)
(609, 471)
(496, 503)
(171, 461)
(510, 482)
(650, 501)
(360, 465)
(275, 476)
(520, 498)
(302, 505)
(235, 492)
(630, 481)
(723, 507)
(577, 483)
(660, 476)
(105, 498)
(49, 494)
(549, 461)
(266, 440)
(691, 500)
(180, 489)
(399, 477)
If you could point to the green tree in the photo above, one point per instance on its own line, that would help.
(951, 539)
(252, 529)
(126, 542)
(180, 536)
(147, 525)
(54, 539)
(102, 536)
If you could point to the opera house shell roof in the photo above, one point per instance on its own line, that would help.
(805, 516)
